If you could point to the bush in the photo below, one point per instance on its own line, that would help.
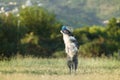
(32, 33)
(59, 54)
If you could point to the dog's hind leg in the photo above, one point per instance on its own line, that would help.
(70, 65)
(75, 63)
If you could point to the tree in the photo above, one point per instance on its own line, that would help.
(8, 36)
(34, 32)
(44, 25)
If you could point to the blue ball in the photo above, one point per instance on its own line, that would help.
(64, 28)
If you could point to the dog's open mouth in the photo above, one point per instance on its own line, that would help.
(65, 31)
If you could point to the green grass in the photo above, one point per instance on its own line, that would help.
(33, 66)
(56, 69)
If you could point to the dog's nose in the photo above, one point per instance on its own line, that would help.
(61, 31)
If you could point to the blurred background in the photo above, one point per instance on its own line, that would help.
(32, 27)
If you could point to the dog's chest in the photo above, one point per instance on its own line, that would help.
(66, 39)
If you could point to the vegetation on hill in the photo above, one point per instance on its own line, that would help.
(79, 13)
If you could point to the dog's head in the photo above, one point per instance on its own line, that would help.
(66, 30)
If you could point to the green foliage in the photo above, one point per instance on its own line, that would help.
(59, 54)
(90, 49)
(83, 12)
(44, 26)
(78, 12)
(30, 38)
(8, 36)
(36, 32)
(32, 33)
(98, 41)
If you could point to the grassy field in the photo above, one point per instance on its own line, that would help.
(56, 69)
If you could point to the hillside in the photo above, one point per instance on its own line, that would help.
(84, 12)
(79, 13)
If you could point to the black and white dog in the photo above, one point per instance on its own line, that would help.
(71, 48)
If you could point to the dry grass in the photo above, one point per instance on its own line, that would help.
(56, 69)
(60, 77)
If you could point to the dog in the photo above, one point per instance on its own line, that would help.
(71, 48)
